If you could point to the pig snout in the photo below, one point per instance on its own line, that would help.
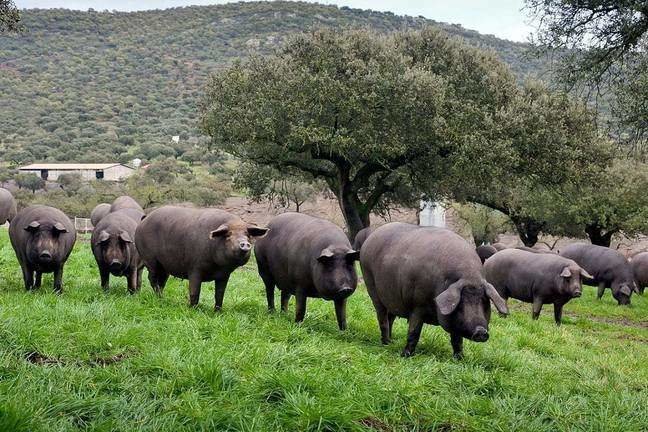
(115, 265)
(480, 334)
(245, 246)
(344, 292)
(577, 293)
(45, 255)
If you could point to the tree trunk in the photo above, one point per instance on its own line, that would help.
(528, 229)
(596, 236)
(355, 215)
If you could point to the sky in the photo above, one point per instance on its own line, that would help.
(503, 18)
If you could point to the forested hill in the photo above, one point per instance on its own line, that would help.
(95, 86)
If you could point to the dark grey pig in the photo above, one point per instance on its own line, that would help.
(361, 237)
(196, 244)
(609, 269)
(99, 212)
(306, 257)
(639, 265)
(8, 208)
(124, 202)
(113, 246)
(534, 250)
(535, 278)
(485, 251)
(43, 238)
(431, 276)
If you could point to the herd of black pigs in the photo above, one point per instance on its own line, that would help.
(426, 275)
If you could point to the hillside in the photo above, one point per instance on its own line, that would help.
(92, 86)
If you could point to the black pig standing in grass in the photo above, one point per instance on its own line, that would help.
(196, 244)
(98, 213)
(113, 246)
(7, 206)
(537, 278)
(639, 265)
(431, 276)
(306, 257)
(609, 269)
(361, 237)
(43, 238)
(485, 251)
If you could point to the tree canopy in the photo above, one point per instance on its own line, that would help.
(368, 114)
(9, 17)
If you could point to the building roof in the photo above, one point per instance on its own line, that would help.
(71, 166)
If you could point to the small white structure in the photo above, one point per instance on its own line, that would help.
(432, 214)
(89, 171)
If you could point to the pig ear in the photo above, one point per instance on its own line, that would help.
(325, 255)
(625, 289)
(565, 273)
(58, 226)
(498, 301)
(125, 237)
(219, 232)
(32, 226)
(353, 255)
(585, 274)
(255, 231)
(103, 236)
(449, 299)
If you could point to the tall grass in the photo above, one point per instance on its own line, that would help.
(94, 361)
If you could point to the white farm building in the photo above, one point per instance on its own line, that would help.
(88, 171)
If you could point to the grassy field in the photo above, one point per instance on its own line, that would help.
(93, 361)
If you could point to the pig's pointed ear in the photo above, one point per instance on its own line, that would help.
(255, 231)
(499, 302)
(565, 273)
(449, 299)
(219, 232)
(353, 255)
(60, 228)
(103, 236)
(325, 255)
(32, 226)
(125, 237)
(585, 274)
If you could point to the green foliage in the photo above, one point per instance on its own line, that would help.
(263, 183)
(375, 117)
(9, 17)
(484, 223)
(29, 181)
(116, 362)
(101, 86)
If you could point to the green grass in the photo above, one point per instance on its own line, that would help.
(119, 362)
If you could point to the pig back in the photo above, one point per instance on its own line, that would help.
(8, 208)
(292, 245)
(408, 266)
(604, 264)
(178, 238)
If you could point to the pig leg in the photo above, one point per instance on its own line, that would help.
(391, 318)
(195, 283)
(28, 277)
(58, 280)
(300, 306)
(39, 279)
(383, 323)
(457, 345)
(601, 290)
(413, 333)
(105, 277)
(270, 291)
(340, 313)
(219, 292)
(131, 281)
(558, 306)
(139, 278)
(285, 299)
(537, 307)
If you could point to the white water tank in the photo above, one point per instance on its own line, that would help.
(432, 214)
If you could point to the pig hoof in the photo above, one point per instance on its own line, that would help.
(407, 353)
(385, 341)
(458, 356)
(502, 315)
